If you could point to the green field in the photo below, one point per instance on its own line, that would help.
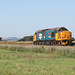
(36, 61)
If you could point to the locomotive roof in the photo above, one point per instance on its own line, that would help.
(50, 29)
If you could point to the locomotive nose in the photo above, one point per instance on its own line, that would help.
(67, 35)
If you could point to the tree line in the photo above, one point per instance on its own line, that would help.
(0, 38)
(26, 38)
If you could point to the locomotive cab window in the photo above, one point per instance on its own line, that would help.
(64, 29)
(60, 29)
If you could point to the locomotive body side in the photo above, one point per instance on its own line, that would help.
(40, 36)
(45, 37)
(50, 35)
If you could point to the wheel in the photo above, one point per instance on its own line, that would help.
(47, 43)
(43, 43)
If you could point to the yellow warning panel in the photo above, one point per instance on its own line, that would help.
(64, 35)
(34, 38)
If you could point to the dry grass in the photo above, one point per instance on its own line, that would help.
(73, 41)
(16, 42)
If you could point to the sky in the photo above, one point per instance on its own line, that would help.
(19, 18)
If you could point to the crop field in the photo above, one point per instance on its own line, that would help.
(41, 60)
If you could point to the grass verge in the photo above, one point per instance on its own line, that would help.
(36, 61)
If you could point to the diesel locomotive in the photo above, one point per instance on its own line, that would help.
(60, 36)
